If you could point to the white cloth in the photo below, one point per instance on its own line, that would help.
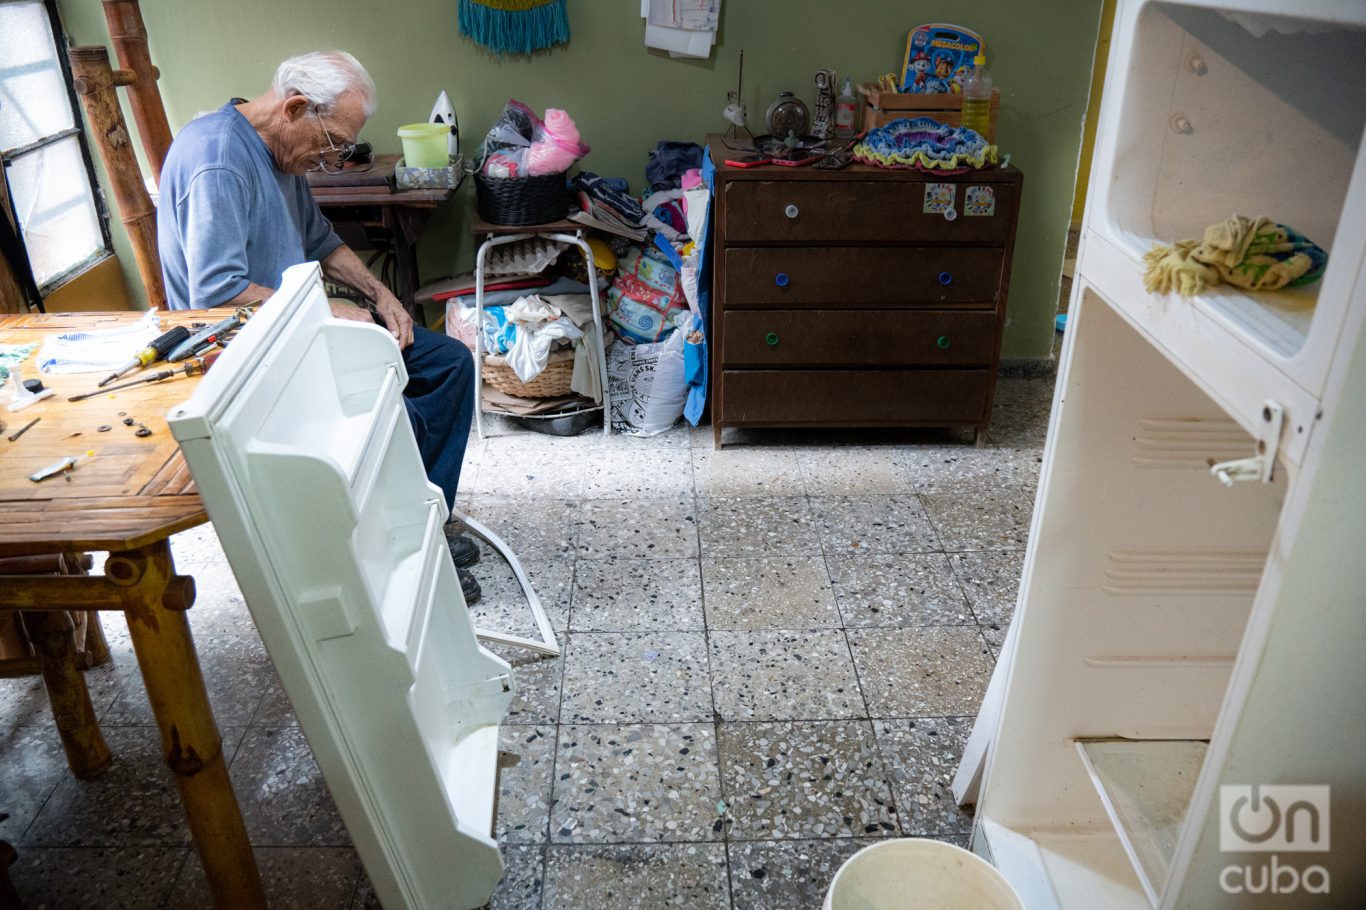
(539, 325)
(587, 378)
(98, 351)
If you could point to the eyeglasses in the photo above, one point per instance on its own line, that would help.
(332, 158)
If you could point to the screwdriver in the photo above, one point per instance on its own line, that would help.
(193, 368)
(155, 351)
(206, 337)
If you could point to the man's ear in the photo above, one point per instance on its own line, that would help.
(295, 107)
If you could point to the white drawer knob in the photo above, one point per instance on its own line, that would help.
(950, 213)
(790, 211)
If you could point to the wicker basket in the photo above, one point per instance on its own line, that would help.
(552, 382)
(521, 200)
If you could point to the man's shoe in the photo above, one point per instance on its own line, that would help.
(464, 551)
(469, 587)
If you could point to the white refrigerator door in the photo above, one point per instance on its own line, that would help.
(301, 448)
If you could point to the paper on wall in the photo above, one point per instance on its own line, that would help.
(684, 28)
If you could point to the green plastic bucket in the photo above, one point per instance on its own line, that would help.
(424, 144)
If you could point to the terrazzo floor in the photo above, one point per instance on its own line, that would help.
(772, 657)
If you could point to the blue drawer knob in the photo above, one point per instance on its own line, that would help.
(943, 342)
(781, 279)
(946, 278)
(772, 339)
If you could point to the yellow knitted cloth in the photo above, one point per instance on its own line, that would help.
(1252, 253)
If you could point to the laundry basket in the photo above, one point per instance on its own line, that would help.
(552, 382)
(913, 873)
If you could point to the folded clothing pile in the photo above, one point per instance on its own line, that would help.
(1256, 254)
(924, 143)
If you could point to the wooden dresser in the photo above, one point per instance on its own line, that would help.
(851, 299)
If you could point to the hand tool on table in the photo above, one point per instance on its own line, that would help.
(196, 366)
(60, 466)
(22, 430)
(208, 337)
(157, 350)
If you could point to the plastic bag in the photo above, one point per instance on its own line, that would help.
(645, 295)
(519, 144)
(646, 386)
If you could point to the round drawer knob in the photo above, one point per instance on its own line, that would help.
(790, 211)
(950, 214)
(943, 342)
(781, 279)
(946, 278)
(771, 339)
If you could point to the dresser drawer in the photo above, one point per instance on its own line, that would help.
(855, 338)
(833, 212)
(854, 397)
(862, 276)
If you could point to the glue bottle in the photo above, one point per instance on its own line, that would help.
(845, 105)
(977, 97)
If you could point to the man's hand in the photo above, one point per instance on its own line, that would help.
(348, 311)
(395, 317)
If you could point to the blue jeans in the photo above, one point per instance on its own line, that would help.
(439, 398)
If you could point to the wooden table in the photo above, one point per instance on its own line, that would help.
(127, 499)
(399, 214)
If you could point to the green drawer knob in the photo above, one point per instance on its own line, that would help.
(772, 339)
(943, 342)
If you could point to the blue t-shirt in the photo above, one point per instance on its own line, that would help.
(227, 216)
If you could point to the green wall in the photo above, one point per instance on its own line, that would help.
(625, 97)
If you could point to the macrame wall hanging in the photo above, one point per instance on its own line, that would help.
(514, 26)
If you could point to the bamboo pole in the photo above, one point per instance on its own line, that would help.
(130, 44)
(190, 741)
(87, 754)
(95, 80)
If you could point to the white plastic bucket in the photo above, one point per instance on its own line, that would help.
(913, 873)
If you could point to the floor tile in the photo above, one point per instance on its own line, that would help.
(534, 528)
(768, 526)
(638, 472)
(796, 780)
(922, 755)
(873, 524)
(995, 637)
(854, 471)
(776, 592)
(133, 804)
(530, 471)
(275, 709)
(937, 671)
(898, 590)
(636, 783)
(982, 517)
(236, 672)
(503, 605)
(32, 764)
(636, 877)
(630, 677)
(991, 581)
(657, 528)
(284, 799)
(526, 759)
(523, 879)
(747, 472)
(787, 874)
(197, 545)
(219, 607)
(784, 676)
(56, 877)
(637, 595)
(946, 468)
(306, 878)
(23, 700)
(537, 678)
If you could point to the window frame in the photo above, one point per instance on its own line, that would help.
(61, 43)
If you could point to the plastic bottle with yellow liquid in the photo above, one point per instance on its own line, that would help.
(977, 97)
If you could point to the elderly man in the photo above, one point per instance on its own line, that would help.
(236, 211)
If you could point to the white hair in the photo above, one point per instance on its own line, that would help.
(323, 77)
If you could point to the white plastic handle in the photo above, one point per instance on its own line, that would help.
(950, 213)
(790, 211)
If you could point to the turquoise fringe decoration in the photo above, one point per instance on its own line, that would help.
(515, 31)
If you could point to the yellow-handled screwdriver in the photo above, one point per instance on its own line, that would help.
(149, 355)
